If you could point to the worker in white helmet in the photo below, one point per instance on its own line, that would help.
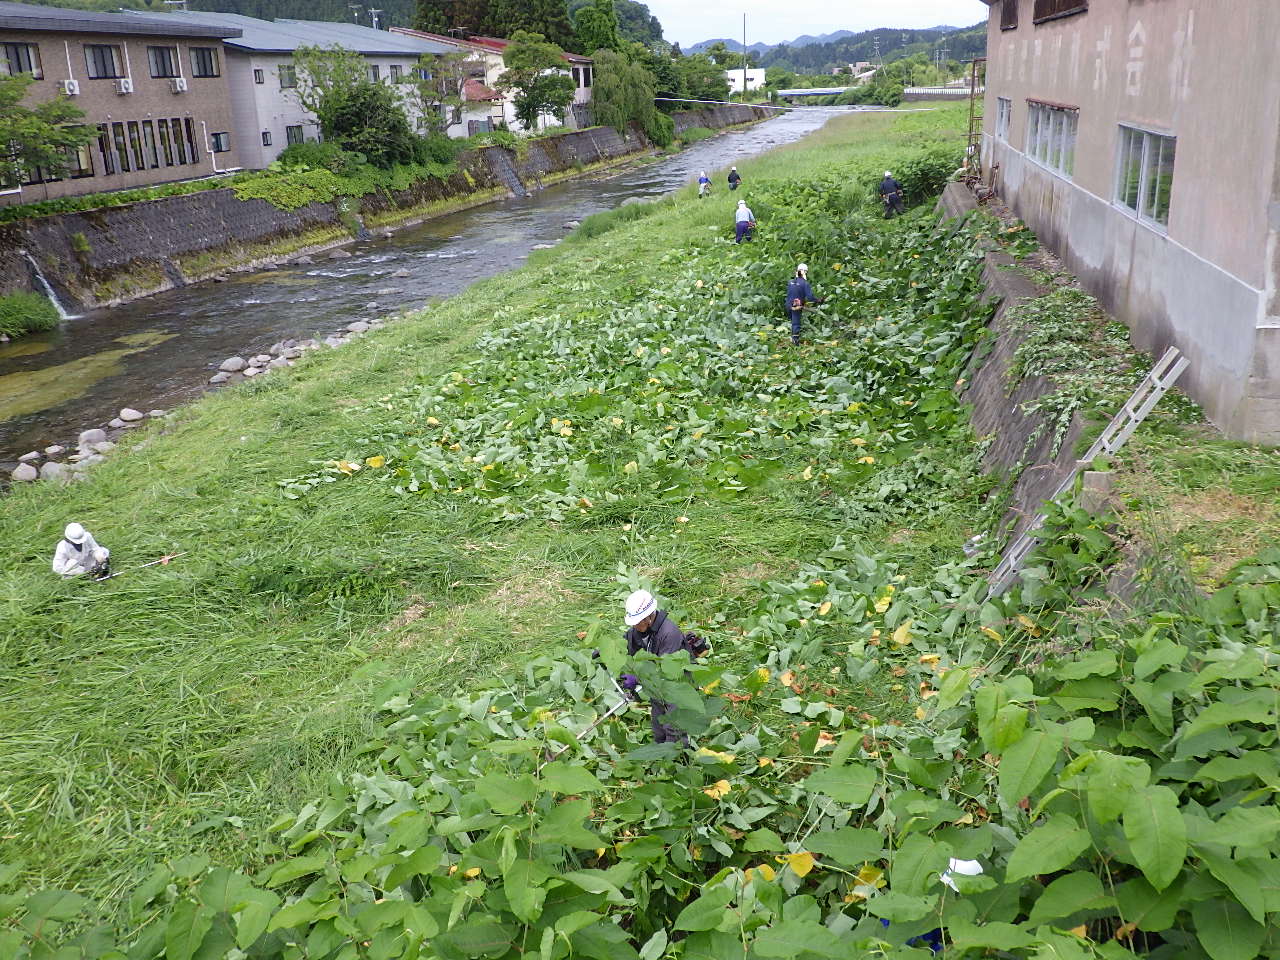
(79, 554)
(891, 195)
(651, 629)
(799, 295)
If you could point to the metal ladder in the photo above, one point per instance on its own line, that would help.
(1153, 386)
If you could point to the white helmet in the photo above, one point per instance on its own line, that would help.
(75, 533)
(888, 174)
(640, 605)
(802, 269)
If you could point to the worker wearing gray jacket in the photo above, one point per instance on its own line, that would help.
(79, 554)
(652, 630)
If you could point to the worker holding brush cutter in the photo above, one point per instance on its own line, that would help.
(651, 629)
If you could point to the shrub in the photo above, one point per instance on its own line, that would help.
(313, 155)
(24, 312)
(606, 220)
(694, 134)
(661, 129)
(924, 174)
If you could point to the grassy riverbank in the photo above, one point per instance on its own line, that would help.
(234, 682)
(400, 554)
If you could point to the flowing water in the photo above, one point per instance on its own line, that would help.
(161, 350)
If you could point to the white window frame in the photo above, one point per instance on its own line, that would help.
(1051, 136)
(1004, 117)
(1148, 173)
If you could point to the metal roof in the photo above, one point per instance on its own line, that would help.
(25, 16)
(286, 36)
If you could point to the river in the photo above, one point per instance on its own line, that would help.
(161, 350)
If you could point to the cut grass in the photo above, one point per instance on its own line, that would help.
(182, 707)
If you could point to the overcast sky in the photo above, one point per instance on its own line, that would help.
(773, 21)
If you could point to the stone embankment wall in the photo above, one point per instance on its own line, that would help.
(121, 253)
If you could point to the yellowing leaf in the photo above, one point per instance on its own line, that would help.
(902, 635)
(723, 757)
(837, 267)
(682, 519)
(928, 658)
(698, 284)
(787, 678)
(992, 633)
(866, 459)
(346, 467)
(631, 467)
(665, 351)
(765, 762)
(858, 442)
(566, 431)
(871, 876)
(824, 609)
(808, 473)
(825, 740)
(883, 604)
(920, 713)
(763, 674)
(432, 422)
(763, 869)
(375, 462)
(487, 467)
(800, 863)
(472, 873)
(712, 685)
(718, 789)
(616, 421)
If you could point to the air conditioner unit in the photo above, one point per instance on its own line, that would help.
(71, 87)
(178, 84)
(124, 85)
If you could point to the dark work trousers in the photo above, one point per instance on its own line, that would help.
(664, 732)
(795, 324)
(893, 205)
(743, 230)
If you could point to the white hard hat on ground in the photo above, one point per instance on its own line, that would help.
(640, 605)
(74, 533)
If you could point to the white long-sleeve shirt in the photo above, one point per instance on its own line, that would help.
(70, 560)
(745, 215)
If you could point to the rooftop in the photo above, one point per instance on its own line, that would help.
(476, 42)
(25, 16)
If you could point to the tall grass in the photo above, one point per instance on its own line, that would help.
(24, 312)
(180, 708)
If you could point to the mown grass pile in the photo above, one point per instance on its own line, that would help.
(412, 574)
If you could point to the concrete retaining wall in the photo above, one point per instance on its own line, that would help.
(122, 253)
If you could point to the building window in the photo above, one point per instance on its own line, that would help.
(266, 138)
(79, 162)
(1051, 136)
(166, 144)
(179, 147)
(163, 61)
(102, 60)
(577, 76)
(204, 62)
(149, 141)
(422, 73)
(1049, 9)
(259, 76)
(135, 144)
(21, 58)
(288, 76)
(293, 135)
(397, 73)
(1004, 114)
(192, 150)
(104, 148)
(122, 149)
(1009, 15)
(1144, 185)
(221, 142)
(586, 76)
(375, 72)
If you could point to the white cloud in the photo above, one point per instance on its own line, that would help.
(771, 21)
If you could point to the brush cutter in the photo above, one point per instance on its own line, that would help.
(162, 561)
(628, 696)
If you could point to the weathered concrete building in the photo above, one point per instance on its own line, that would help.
(154, 87)
(1140, 140)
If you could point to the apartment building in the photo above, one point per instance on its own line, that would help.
(1140, 139)
(263, 78)
(497, 109)
(154, 88)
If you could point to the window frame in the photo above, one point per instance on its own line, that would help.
(105, 149)
(1052, 133)
(164, 57)
(149, 144)
(1150, 171)
(395, 73)
(1004, 118)
(193, 144)
(1045, 11)
(289, 134)
(287, 70)
(83, 160)
(1008, 22)
(375, 73)
(10, 51)
(135, 145)
(166, 142)
(92, 53)
(121, 140)
(198, 55)
(266, 138)
(259, 75)
(220, 142)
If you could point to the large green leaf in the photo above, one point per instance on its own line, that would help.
(706, 912)
(569, 779)
(186, 929)
(564, 825)
(1024, 765)
(1225, 929)
(522, 884)
(1048, 848)
(1069, 895)
(1157, 835)
(850, 846)
(988, 936)
(506, 794)
(917, 864)
(849, 783)
(791, 938)
(1111, 780)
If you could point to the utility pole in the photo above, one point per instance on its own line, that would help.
(373, 15)
(355, 11)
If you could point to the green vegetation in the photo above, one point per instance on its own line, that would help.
(22, 312)
(41, 136)
(402, 557)
(694, 134)
(624, 93)
(535, 77)
(118, 198)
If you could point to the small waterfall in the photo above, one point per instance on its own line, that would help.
(48, 290)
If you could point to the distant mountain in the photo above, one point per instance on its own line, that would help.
(735, 46)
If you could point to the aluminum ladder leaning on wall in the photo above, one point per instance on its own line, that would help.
(1153, 386)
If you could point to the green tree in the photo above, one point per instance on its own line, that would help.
(536, 72)
(597, 27)
(547, 17)
(623, 93)
(635, 23)
(326, 75)
(436, 89)
(41, 135)
(660, 62)
(432, 16)
(472, 16)
(701, 78)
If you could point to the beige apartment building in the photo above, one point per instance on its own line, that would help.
(154, 88)
(1139, 139)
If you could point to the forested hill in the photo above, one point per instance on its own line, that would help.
(895, 44)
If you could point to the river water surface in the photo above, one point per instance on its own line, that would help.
(161, 350)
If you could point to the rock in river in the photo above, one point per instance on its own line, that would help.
(222, 377)
(358, 326)
(28, 457)
(233, 364)
(56, 450)
(130, 415)
(51, 471)
(92, 436)
(25, 473)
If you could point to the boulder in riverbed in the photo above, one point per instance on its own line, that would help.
(358, 326)
(89, 437)
(24, 473)
(401, 274)
(261, 359)
(339, 255)
(572, 225)
(221, 377)
(51, 471)
(106, 446)
(115, 423)
(252, 371)
(277, 363)
(28, 457)
(157, 413)
(304, 261)
(233, 364)
(54, 451)
(130, 415)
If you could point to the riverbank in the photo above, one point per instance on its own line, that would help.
(115, 255)
(399, 558)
